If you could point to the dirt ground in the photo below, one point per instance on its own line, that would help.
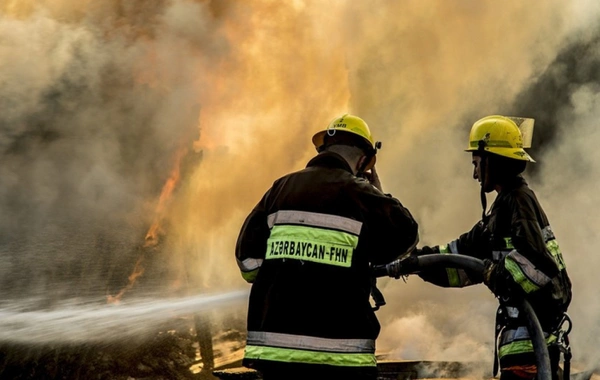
(173, 354)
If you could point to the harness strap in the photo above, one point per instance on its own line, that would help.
(564, 345)
(499, 326)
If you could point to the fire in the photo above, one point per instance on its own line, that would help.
(152, 237)
(138, 270)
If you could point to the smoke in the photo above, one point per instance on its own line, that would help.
(98, 99)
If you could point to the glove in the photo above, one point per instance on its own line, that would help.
(425, 250)
(403, 267)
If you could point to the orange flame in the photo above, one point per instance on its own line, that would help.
(153, 235)
(138, 270)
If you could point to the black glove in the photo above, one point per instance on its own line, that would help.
(403, 267)
(425, 250)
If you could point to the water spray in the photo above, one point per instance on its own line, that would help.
(76, 323)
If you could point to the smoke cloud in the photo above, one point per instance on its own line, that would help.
(98, 101)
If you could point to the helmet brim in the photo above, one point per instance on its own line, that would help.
(514, 153)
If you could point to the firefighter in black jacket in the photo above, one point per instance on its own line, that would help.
(517, 244)
(307, 248)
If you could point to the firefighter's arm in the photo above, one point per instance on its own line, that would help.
(251, 244)
(389, 229)
(529, 266)
(467, 244)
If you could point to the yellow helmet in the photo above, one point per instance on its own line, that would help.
(346, 123)
(500, 135)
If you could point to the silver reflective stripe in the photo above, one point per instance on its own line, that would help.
(249, 264)
(453, 246)
(302, 342)
(315, 219)
(499, 255)
(520, 333)
(547, 234)
(529, 269)
(512, 312)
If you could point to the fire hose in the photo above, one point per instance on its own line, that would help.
(414, 264)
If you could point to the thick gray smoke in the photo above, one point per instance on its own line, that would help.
(93, 112)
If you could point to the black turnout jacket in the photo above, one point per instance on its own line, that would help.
(517, 237)
(307, 247)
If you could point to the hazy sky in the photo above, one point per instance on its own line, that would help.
(97, 99)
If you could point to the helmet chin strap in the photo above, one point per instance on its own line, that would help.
(482, 173)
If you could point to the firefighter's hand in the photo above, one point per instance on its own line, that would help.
(403, 267)
(373, 178)
(425, 250)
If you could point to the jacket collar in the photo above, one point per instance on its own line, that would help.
(514, 183)
(330, 160)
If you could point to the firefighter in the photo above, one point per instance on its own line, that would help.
(307, 247)
(520, 251)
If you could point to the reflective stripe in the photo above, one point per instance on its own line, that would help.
(547, 233)
(453, 277)
(520, 333)
(508, 243)
(315, 219)
(250, 276)
(249, 264)
(553, 247)
(556, 254)
(311, 244)
(516, 341)
(457, 278)
(512, 312)
(249, 268)
(303, 342)
(524, 272)
(453, 246)
(310, 357)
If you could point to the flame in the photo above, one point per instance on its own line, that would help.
(155, 230)
(138, 270)
(152, 236)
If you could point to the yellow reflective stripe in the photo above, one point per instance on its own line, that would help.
(311, 244)
(524, 272)
(521, 346)
(289, 355)
(250, 276)
(515, 270)
(508, 243)
(452, 273)
(556, 253)
(453, 277)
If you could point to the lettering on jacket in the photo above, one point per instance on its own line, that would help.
(316, 252)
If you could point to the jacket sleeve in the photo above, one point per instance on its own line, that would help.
(470, 244)
(529, 266)
(389, 229)
(252, 241)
